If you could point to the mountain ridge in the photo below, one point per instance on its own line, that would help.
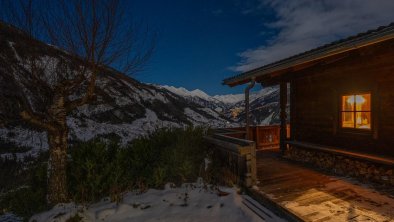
(124, 107)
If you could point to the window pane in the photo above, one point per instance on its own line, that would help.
(363, 102)
(347, 103)
(348, 119)
(363, 120)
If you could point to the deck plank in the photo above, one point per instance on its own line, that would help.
(315, 196)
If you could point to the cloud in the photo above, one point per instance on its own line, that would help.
(305, 24)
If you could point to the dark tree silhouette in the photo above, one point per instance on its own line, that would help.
(90, 36)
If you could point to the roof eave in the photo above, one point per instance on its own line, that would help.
(346, 46)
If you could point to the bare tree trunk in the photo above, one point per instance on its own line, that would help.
(55, 123)
(57, 184)
(57, 141)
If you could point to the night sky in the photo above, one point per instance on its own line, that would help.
(202, 42)
(198, 41)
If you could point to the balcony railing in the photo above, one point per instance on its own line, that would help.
(236, 151)
(265, 137)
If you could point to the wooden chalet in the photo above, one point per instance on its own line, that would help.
(341, 115)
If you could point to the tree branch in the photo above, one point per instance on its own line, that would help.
(89, 95)
(35, 120)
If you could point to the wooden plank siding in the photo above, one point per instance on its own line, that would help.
(265, 137)
(316, 94)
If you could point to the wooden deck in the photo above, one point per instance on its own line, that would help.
(314, 196)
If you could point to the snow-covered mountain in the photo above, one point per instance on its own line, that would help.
(230, 98)
(217, 103)
(264, 104)
(226, 99)
(124, 108)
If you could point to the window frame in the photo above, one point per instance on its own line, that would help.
(341, 111)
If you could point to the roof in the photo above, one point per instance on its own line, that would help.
(350, 43)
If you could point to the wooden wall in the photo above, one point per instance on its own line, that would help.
(315, 99)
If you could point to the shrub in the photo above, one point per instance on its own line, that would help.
(30, 198)
(99, 169)
(95, 170)
(9, 147)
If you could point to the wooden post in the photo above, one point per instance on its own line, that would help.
(257, 137)
(247, 115)
(292, 110)
(252, 173)
(254, 165)
(375, 108)
(283, 116)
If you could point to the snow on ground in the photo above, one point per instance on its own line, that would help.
(88, 110)
(24, 138)
(211, 112)
(8, 217)
(198, 118)
(85, 131)
(127, 131)
(157, 96)
(267, 120)
(191, 202)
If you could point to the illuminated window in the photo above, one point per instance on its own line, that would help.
(356, 111)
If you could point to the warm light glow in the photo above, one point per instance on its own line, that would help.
(359, 99)
(356, 111)
(358, 121)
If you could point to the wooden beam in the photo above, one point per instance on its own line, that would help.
(292, 109)
(247, 114)
(375, 110)
(283, 116)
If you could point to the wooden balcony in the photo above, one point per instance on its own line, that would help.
(236, 151)
(291, 190)
(265, 137)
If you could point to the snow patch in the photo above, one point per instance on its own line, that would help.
(267, 120)
(191, 202)
(198, 118)
(8, 217)
(226, 99)
(126, 131)
(23, 137)
(211, 112)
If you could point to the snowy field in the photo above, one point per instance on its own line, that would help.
(191, 202)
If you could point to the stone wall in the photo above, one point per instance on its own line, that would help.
(363, 170)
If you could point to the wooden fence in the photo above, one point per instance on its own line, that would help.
(265, 137)
(236, 151)
(237, 158)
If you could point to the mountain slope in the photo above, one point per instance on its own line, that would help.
(264, 104)
(124, 108)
